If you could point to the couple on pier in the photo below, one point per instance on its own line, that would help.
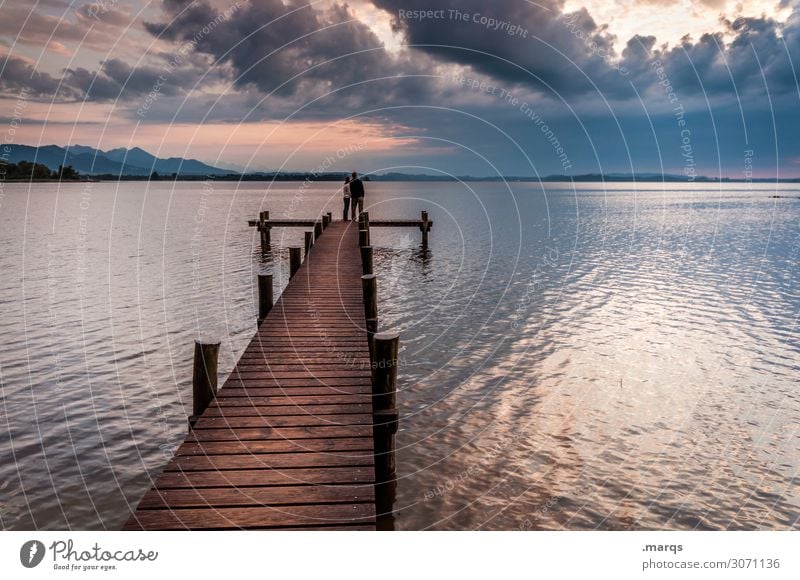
(353, 190)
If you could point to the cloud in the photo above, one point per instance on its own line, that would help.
(512, 41)
(293, 50)
(35, 26)
(754, 63)
(19, 75)
(58, 48)
(116, 80)
(570, 56)
(266, 60)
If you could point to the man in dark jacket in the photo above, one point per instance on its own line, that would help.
(356, 195)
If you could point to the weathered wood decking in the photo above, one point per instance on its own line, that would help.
(287, 442)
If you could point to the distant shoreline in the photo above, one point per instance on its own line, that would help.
(406, 179)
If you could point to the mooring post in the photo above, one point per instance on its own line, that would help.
(369, 286)
(330, 218)
(295, 259)
(363, 237)
(385, 417)
(204, 378)
(384, 370)
(425, 227)
(317, 229)
(264, 296)
(309, 241)
(325, 221)
(366, 259)
(264, 228)
(366, 220)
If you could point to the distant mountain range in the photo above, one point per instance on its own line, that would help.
(121, 161)
(136, 163)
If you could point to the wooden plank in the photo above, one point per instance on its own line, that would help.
(207, 422)
(309, 386)
(302, 358)
(252, 517)
(256, 496)
(384, 223)
(268, 433)
(311, 369)
(253, 388)
(288, 410)
(327, 374)
(270, 461)
(282, 401)
(266, 477)
(398, 223)
(287, 223)
(363, 444)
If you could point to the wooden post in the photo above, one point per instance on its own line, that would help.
(363, 237)
(295, 259)
(317, 229)
(372, 328)
(425, 227)
(309, 241)
(366, 220)
(264, 296)
(325, 220)
(385, 418)
(384, 370)
(204, 378)
(369, 286)
(366, 259)
(384, 427)
(266, 242)
(330, 218)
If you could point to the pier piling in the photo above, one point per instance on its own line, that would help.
(295, 259)
(366, 259)
(204, 377)
(264, 229)
(385, 417)
(369, 285)
(309, 241)
(264, 296)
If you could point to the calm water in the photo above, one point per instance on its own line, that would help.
(612, 358)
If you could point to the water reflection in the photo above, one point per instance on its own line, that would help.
(589, 359)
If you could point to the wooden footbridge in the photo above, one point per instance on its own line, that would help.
(301, 435)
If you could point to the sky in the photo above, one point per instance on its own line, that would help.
(451, 87)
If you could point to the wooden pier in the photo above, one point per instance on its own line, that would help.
(301, 435)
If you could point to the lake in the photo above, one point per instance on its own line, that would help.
(612, 356)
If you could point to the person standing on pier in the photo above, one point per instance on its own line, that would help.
(346, 196)
(357, 195)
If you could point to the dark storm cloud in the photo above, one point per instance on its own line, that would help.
(19, 75)
(113, 80)
(511, 40)
(571, 55)
(293, 49)
(116, 80)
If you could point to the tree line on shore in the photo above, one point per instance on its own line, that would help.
(29, 171)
